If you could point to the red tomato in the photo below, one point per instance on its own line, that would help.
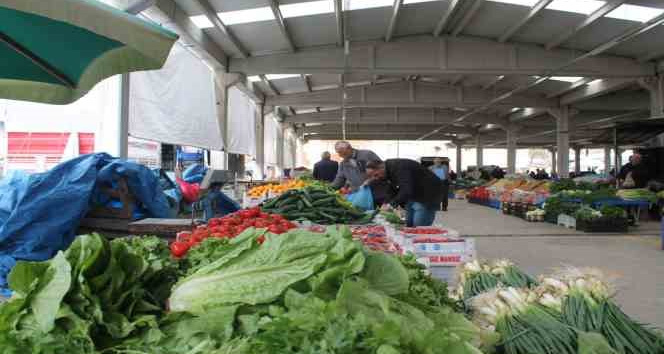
(275, 229)
(179, 249)
(260, 239)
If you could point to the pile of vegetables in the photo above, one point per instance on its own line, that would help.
(262, 190)
(230, 226)
(318, 205)
(571, 311)
(299, 292)
(476, 277)
(637, 194)
(563, 184)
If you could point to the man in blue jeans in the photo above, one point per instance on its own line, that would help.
(412, 186)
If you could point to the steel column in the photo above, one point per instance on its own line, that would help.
(577, 160)
(511, 150)
(479, 150)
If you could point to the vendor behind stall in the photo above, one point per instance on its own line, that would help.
(412, 186)
(634, 174)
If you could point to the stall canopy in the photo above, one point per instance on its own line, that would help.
(176, 104)
(241, 117)
(55, 51)
(270, 139)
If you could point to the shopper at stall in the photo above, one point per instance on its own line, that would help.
(352, 169)
(326, 169)
(441, 170)
(633, 174)
(411, 186)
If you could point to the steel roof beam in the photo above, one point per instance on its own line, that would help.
(171, 15)
(526, 113)
(339, 17)
(467, 17)
(406, 94)
(534, 11)
(270, 86)
(436, 56)
(447, 15)
(651, 56)
(493, 82)
(621, 38)
(595, 89)
(383, 136)
(211, 15)
(421, 116)
(274, 5)
(393, 20)
(307, 82)
(373, 129)
(589, 20)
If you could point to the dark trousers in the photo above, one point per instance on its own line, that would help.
(446, 194)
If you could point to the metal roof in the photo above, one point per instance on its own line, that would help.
(414, 55)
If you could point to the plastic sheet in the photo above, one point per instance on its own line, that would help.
(40, 213)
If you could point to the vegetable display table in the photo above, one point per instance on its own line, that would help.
(159, 227)
(630, 205)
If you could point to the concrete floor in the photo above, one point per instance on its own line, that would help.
(635, 261)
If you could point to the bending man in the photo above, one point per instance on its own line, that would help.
(412, 186)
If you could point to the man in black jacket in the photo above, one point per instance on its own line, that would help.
(413, 187)
(326, 169)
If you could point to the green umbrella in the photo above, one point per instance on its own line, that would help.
(55, 51)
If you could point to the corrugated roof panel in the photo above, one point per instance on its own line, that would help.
(260, 36)
(648, 42)
(222, 41)
(368, 24)
(547, 26)
(309, 31)
(290, 85)
(494, 18)
(600, 32)
(419, 18)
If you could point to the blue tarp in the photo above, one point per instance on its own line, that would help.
(40, 213)
(194, 173)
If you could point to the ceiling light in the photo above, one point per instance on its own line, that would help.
(201, 21)
(307, 8)
(635, 13)
(567, 78)
(254, 78)
(528, 3)
(280, 76)
(246, 16)
(366, 4)
(585, 7)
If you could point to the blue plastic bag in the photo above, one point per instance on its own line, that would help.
(194, 173)
(362, 199)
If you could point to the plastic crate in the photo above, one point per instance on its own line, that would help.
(567, 221)
(603, 225)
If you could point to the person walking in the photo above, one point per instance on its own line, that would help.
(441, 170)
(326, 169)
(411, 186)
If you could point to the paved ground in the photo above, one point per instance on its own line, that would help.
(636, 261)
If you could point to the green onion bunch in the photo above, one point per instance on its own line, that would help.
(583, 297)
(476, 278)
(523, 324)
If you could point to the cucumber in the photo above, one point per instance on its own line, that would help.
(297, 215)
(300, 205)
(288, 200)
(287, 208)
(324, 201)
(332, 210)
(270, 203)
(307, 201)
(328, 216)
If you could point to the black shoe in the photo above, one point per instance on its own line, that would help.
(444, 209)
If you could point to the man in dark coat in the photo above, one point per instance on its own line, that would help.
(412, 186)
(326, 169)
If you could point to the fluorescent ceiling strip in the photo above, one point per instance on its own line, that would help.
(309, 8)
(585, 7)
(245, 16)
(635, 13)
